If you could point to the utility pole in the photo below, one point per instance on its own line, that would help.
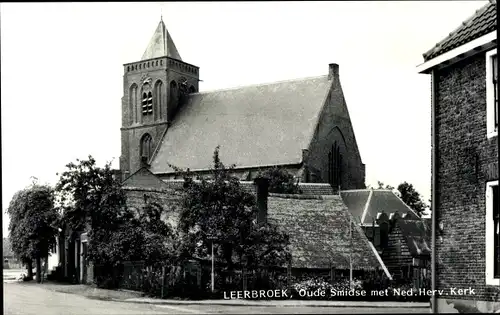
(213, 272)
(350, 252)
(212, 239)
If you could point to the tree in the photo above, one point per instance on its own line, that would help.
(91, 196)
(280, 181)
(144, 237)
(381, 185)
(92, 199)
(412, 198)
(409, 195)
(219, 210)
(33, 225)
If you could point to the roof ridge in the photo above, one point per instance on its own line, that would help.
(260, 84)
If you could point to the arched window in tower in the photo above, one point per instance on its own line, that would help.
(146, 147)
(150, 103)
(158, 96)
(144, 103)
(174, 93)
(147, 103)
(133, 103)
(192, 90)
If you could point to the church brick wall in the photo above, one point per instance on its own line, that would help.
(155, 124)
(335, 126)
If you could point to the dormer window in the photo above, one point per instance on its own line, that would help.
(147, 103)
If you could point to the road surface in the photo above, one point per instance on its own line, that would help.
(37, 300)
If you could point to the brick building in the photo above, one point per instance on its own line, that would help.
(463, 68)
(401, 237)
(407, 250)
(302, 125)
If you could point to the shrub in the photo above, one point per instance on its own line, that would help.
(280, 181)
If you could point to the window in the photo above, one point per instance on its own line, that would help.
(147, 103)
(174, 94)
(133, 103)
(492, 92)
(146, 146)
(492, 234)
(158, 97)
(334, 166)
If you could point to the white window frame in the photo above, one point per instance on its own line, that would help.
(490, 280)
(490, 96)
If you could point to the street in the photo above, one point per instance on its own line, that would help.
(37, 300)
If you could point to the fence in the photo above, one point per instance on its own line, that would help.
(193, 279)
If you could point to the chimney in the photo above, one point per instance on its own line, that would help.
(333, 71)
(262, 185)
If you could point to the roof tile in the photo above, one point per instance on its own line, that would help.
(482, 22)
(319, 233)
(260, 125)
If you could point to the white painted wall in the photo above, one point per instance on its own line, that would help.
(53, 260)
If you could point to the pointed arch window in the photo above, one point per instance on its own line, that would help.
(133, 103)
(146, 146)
(334, 166)
(158, 95)
(174, 93)
(147, 103)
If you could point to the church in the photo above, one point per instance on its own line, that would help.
(302, 125)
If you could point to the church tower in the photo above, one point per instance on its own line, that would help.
(154, 88)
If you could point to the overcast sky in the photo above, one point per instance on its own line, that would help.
(61, 72)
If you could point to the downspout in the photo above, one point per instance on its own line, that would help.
(433, 188)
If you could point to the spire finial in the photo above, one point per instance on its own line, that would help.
(161, 14)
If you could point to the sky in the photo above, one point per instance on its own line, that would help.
(62, 72)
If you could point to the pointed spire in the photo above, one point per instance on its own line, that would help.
(161, 44)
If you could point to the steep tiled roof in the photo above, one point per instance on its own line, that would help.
(482, 22)
(318, 225)
(260, 125)
(365, 204)
(319, 232)
(316, 189)
(308, 189)
(145, 179)
(161, 44)
(417, 234)
(355, 200)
